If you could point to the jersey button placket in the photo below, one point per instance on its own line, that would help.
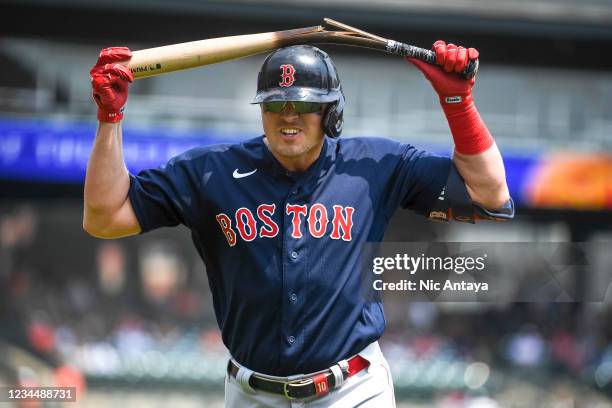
(294, 255)
(293, 276)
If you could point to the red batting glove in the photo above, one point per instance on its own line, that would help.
(469, 132)
(110, 81)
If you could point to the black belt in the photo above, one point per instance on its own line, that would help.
(306, 387)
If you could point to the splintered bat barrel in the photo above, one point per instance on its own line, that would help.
(398, 48)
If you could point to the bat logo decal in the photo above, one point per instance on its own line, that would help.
(287, 75)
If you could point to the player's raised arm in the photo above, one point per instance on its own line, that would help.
(107, 211)
(476, 157)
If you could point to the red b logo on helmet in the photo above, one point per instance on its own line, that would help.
(287, 75)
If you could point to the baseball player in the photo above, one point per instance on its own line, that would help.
(279, 219)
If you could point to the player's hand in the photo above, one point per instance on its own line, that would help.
(110, 82)
(469, 132)
(451, 60)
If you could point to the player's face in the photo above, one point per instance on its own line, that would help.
(295, 139)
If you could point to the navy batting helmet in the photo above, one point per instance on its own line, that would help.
(306, 74)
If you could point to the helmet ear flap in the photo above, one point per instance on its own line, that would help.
(333, 121)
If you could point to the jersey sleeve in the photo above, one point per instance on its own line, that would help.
(163, 197)
(419, 179)
(432, 186)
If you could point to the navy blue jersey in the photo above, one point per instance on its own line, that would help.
(282, 249)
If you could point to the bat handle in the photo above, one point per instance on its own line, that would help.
(428, 56)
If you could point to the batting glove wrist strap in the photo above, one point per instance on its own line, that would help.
(110, 117)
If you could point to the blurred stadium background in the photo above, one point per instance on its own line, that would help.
(133, 318)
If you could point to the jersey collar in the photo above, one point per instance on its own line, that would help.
(265, 160)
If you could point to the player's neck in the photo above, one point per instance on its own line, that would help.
(301, 163)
